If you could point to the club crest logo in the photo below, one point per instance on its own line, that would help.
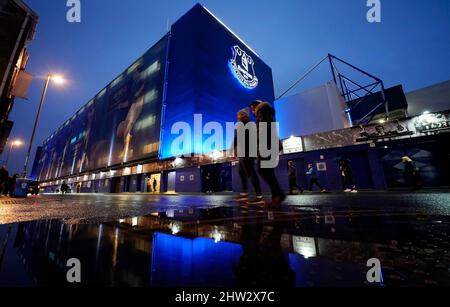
(243, 68)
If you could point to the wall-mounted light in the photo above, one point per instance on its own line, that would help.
(178, 162)
(175, 228)
(216, 235)
(215, 155)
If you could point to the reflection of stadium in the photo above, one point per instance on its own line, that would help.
(225, 248)
(167, 248)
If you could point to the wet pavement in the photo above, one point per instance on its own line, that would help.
(210, 241)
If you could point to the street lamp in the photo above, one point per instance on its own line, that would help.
(15, 143)
(58, 80)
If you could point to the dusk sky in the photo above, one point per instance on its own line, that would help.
(411, 46)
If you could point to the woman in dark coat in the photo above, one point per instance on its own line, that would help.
(347, 174)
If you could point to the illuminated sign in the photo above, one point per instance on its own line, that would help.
(292, 145)
(243, 68)
(432, 123)
(305, 246)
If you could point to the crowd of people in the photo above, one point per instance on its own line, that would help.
(66, 189)
(265, 113)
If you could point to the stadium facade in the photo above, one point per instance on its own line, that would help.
(121, 139)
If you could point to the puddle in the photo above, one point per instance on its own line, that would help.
(226, 247)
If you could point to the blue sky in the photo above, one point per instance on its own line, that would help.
(411, 46)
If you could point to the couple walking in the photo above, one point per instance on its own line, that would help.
(311, 174)
(264, 113)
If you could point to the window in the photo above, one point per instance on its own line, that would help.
(191, 177)
(181, 178)
(81, 110)
(101, 93)
(116, 81)
(150, 96)
(150, 148)
(151, 69)
(134, 66)
(145, 123)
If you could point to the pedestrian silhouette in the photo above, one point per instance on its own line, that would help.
(313, 178)
(265, 113)
(246, 163)
(292, 178)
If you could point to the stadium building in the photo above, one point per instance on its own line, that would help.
(121, 140)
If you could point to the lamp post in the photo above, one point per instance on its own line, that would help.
(15, 143)
(58, 80)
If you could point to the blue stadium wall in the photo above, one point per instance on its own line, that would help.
(187, 72)
(201, 79)
(121, 124)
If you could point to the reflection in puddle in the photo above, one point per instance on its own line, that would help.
(228, 247)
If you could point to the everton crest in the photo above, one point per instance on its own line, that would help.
(243, 68)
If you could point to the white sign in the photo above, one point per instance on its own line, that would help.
(292, 145)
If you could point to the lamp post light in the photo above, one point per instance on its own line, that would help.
(15, 143)
(58, 80)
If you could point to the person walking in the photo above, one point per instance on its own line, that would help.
(11, 185)
(155, 184)
(347, 174)
(64, 188)
(208, 180)
(265, 113)
(3, 178)
(247, 163)
(313, 179)
(410, 173)
(292, 178)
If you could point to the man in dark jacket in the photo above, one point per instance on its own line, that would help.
(410, 173)
(292, 177)
(11, 185)
(155, 185)
(246, 162)
(347, 174)
(3, 179)
(265, 113)
(64, 188)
